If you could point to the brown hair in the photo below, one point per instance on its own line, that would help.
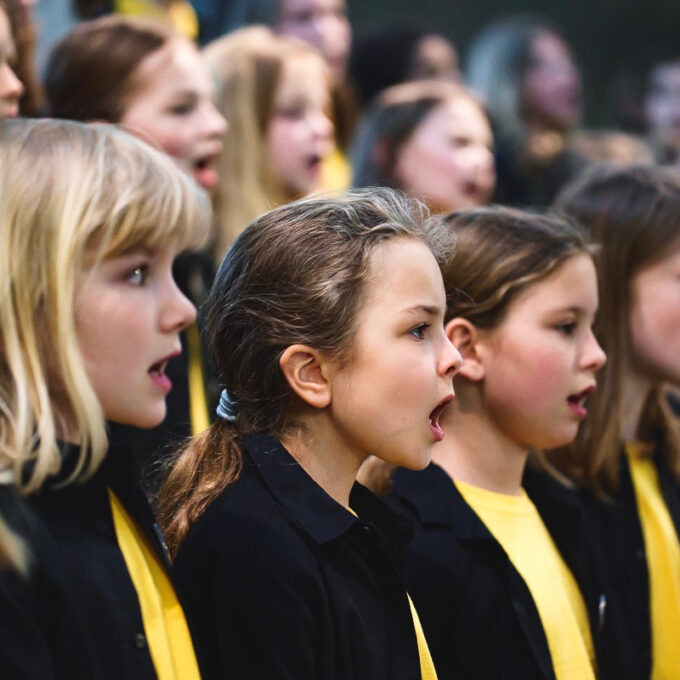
(90, 74)
(391, 120)
(295, 275)
(634, 213)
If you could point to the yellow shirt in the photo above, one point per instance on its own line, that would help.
(178, 13)
(166, 629)
(663, 564)
(427, 671)
(516, 525)
(336, 172)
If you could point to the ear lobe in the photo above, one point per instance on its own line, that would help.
(303, 368)
(464, 337)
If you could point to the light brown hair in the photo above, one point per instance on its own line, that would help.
(633, 212)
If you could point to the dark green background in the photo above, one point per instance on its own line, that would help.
(608, 37)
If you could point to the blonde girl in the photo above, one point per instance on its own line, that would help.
(326, 318)
(627, 456)
(91, 220)
(275, 92)
(501, 565)
(431, 139)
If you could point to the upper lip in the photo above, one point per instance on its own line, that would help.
(164, 360)
(437, 410)
(578, 396)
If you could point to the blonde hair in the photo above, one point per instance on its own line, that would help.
(247, 66)
(71, 195)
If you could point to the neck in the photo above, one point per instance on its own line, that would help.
(330, 464)
(476, 452)
(635, 391)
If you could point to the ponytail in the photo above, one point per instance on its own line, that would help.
(198, 474)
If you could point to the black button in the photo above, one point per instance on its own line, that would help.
(140, 641)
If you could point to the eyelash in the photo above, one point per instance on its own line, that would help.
(182, 109)
(419, 331)
(568, 327)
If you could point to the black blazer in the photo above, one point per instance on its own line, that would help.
(477, 612)
(77, 523)
(280, 581)
(616, 524)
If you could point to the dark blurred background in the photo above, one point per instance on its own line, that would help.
(610, 38)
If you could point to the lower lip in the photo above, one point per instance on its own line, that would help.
(207, 177)
(437, 431)
(161, 381)
(578, 410)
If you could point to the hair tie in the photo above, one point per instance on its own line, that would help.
(227, 409)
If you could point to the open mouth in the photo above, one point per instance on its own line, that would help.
(576, 402)
(434, 418)
(205, 171)
(157, 374)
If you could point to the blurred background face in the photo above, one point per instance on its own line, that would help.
(662, 104)
(447, 161)
(435, 57)
(323, 24)
(11, 88)
(172, 106)
(551, 90)
(300, 133)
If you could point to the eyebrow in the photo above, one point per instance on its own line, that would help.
(427, 309)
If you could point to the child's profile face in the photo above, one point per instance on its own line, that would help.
(386, 400)
(447, 160)
(324, 25)
(662, 104)
(655, 321)
(300, 134)
(11, 88)
(540, 361)
(171, 105)
(128, 316)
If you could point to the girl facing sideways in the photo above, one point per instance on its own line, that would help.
(144, 76)
(627, 456)
(153, 81)
(326, 319)
(91, 220)
(431, 139)
(499, 564)
(275, 92)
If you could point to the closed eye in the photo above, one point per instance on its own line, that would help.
(567, 328)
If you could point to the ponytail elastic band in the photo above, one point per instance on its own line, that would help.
(227, 409)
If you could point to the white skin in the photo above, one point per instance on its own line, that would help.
(523, 383)
(323, 24)
(662, 104)
(447, 160)
(300, 134)
(171, 105)
(11, 88)
(655, 335)
(128, 314)
(551, 89)
(387, 399)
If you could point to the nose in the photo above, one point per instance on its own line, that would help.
(593, 356)
(322, 125)
(178, 311)
(10, 86)
(450, 359)
(214, 123)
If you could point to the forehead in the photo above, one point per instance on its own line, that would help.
(547, 46)
(573, 284)
(6, 41)
(666, 74)
(177, 64)
(453, 115)
(304, 74)
(403, 273)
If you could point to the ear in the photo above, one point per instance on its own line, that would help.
(305, 370)
(464, 336)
